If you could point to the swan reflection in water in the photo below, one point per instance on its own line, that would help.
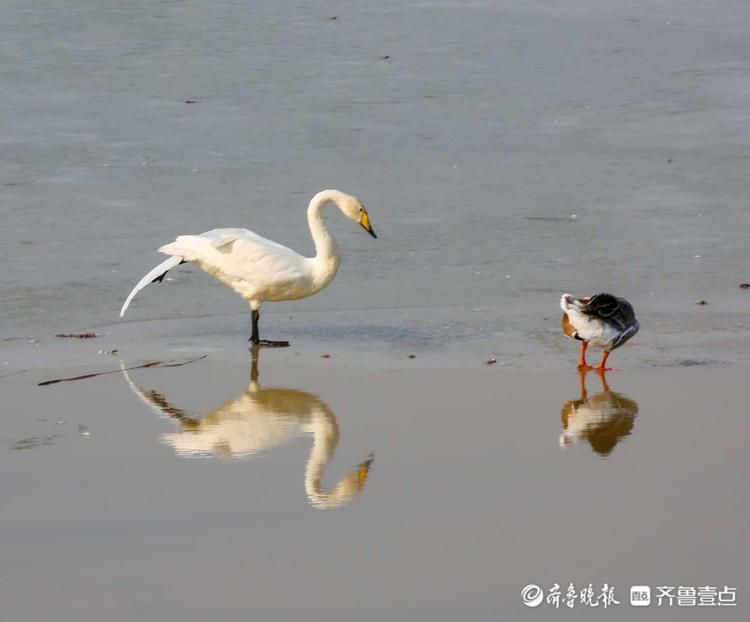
(602, 419)
(260, 420)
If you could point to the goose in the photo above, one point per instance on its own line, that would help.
(260, 420)
(603, 321)
(258, 269)
(602, 419)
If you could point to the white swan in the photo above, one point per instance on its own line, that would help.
(260, 420)
(260, 270)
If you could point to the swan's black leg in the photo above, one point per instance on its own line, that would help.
(255, 335)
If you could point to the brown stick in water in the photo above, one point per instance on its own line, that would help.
(117, 371)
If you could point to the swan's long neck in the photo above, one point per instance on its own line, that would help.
(327, 258)
(325, 439)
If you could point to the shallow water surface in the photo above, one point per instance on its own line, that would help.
(323, 491)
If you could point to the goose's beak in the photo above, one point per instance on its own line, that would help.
(364, 221)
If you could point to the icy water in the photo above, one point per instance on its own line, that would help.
(506, 152)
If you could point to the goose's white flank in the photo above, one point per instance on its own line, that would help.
(603, 321)
(260, 270)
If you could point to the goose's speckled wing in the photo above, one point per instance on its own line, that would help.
(617, 312)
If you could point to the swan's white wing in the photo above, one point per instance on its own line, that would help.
(255, 259)
(240, 255)
(200, 247)
(157, 272)
(221, 237)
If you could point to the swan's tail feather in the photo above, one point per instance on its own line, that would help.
(155, 276)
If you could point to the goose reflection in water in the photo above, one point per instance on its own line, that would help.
(259, 420)
(602, 419)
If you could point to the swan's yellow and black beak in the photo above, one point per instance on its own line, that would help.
(362, 471)
(364, 221)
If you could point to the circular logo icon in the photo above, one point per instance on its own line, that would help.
(532, 595)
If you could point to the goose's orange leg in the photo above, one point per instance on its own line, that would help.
(582, 360)
(603, 379)
(601, 368)
(582, 381)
